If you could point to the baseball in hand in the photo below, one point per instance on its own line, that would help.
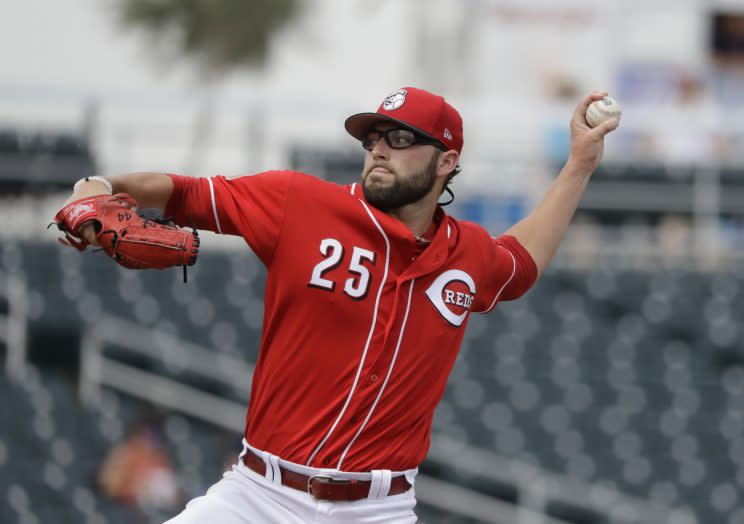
(602, 110)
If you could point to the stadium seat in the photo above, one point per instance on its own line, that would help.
(9, 142)
(615, 377)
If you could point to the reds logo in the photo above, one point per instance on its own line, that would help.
(452, 294)
(394, 100)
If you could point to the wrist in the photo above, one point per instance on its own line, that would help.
(580, 167)
(93, 181)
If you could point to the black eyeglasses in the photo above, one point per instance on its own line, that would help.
(397, 139)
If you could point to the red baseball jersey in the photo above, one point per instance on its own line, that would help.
(361, 326)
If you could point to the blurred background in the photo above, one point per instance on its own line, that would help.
(613, 392)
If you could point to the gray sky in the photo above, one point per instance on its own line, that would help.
(69, 44)
(343, 57)
(76, 46)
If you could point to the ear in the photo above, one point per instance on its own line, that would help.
(447, 162)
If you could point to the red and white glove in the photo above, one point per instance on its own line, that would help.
(135, 239)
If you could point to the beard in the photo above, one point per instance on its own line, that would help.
(401, 192)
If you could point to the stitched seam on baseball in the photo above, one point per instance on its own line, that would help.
(596, 107)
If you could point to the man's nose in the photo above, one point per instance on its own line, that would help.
(380, 149)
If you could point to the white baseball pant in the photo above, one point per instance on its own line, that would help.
(243, 496)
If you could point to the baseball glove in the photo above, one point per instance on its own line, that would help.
(134, 238)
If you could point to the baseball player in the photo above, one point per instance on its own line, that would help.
(369, 290)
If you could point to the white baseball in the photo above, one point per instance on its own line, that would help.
(602, 110)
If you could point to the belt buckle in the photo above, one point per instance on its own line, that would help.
(325, 478)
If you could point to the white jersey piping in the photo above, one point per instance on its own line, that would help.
(369, 337)
(514, 271)
(353, 188)
(387, 377)
(214, 205)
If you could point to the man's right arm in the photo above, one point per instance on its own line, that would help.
(150, 190)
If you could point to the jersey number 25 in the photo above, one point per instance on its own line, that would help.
(356, 286)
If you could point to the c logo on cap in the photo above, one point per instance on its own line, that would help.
(394, 100)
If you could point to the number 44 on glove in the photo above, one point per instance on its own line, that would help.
(134, 238)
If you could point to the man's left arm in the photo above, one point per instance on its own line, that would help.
(542, 231)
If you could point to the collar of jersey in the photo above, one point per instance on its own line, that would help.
(427, 236)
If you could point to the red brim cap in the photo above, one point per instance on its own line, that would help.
(415, 109)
